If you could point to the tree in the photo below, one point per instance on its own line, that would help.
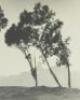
(20, 37)
(39, 29)
(3, 19)
(52, 44)
(41, 18)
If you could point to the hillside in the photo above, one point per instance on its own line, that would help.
(39, 93)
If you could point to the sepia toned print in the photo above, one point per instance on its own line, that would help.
(39, 50)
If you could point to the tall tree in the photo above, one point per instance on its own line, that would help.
(25, 33)
(50, 39)
(3, 19)
(20, 37)
(52, 44)
(41, 18)
(39, 29)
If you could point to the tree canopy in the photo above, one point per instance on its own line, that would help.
(3, 19)
(41, 29)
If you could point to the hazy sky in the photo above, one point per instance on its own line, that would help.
(12, 60)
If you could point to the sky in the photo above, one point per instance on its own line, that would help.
(12, 61)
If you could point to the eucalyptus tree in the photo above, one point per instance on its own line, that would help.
(25, 33)
(63, 53)
(20, 37)
(3, 19)
(42, 18)
(52, 44)
(38, 28)
(50, 40)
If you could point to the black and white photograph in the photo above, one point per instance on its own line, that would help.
(39, 50)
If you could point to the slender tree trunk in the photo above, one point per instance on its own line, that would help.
(28, 58)
(36, 73)
(69, 77)
(36, 78)
(33, 70)
(52, 73)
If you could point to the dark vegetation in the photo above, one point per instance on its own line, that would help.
(3, 19)
(40, 29)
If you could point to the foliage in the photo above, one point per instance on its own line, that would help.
(3, 19)
(41, 29)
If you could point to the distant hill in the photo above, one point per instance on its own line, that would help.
(44, 78)
(22, 79)
(25, 79)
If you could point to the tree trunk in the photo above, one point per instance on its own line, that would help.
(36, 73)
(33, 70)
(52, 73)
(27, 56)
(69, 77)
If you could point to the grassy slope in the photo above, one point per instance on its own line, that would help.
(39, 93)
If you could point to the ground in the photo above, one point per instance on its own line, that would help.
(38, 93)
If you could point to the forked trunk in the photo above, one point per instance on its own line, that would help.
(52, 73)
(27, 56)
(33, 70)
